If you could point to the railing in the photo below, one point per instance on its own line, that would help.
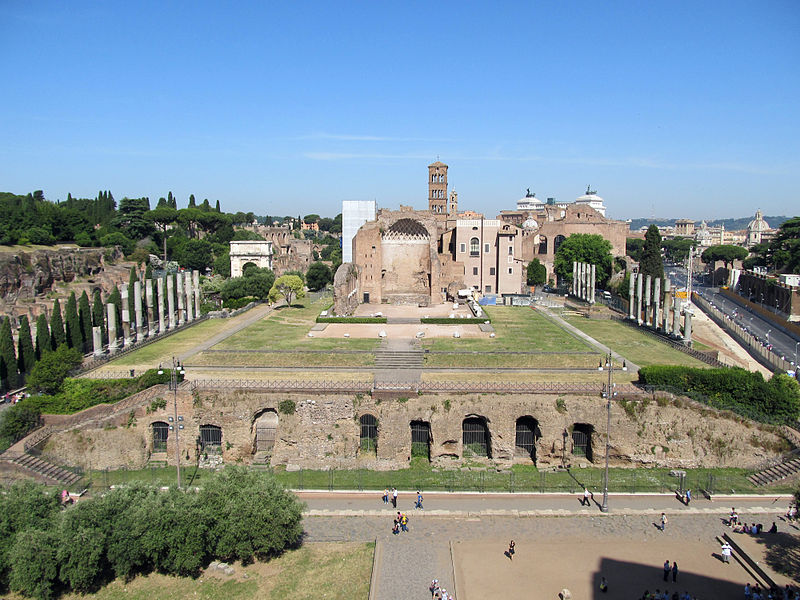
(37, 437)
(282, 385)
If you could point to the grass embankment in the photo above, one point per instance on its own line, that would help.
(287, 329)
(566, 376)
(635, 346)
(238, 358)
(521, 478)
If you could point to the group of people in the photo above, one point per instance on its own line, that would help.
(751, 528)
(392, 495)
(439, 593)
(756, 592)
(400, 523)
(673, 569)
(791, 514)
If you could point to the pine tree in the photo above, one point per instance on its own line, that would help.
(57, 334)
(85, 318)
(651, 262)
(8, 358)
(99, 314)
(73, 323)
(26, 356)
(43, 343)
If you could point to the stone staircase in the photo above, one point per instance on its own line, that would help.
(392, 358)
(43, 468)
(778, 471)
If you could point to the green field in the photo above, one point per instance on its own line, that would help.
(338, 571)
(636, 346)
(287, 329)
(517, 329)
(237, 358)
(523, 361)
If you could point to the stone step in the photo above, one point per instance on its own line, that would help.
(776, 472)
(46, 469)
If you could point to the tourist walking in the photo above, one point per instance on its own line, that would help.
(386, 496)
(586, 496)
(394, 497)
(667, 569)
(726, 552)
(603, 585)
(663, 521)
(675, 572)
(419, 500)
(511, 546)
(688, 496)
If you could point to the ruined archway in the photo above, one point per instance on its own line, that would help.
(368, 436)
(476, 439)
(582, 440)
(421, 439)
(265, 430)
(160, 431)
(210, 439)
(406, 262)
(526, 437)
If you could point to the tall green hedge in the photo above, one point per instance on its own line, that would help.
(238, 515)
(744, 392)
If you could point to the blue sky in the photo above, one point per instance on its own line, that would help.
(672, 109)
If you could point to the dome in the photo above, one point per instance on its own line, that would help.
(758, 224)
(530, 223)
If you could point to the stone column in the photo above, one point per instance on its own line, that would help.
(639, 282)
(126, 315)
(676, 315)
(97, 340)
(111, 313)
(592, 276)
(196, 286)
(687, 327)
(171, 301)
(181, 297)
(631, 295)
(187, 281)
(584, 280)
(574, 278)
(657, 303)
(667, 297)
(137, 309)
(648, 283)
(148, 294)
(161, 319)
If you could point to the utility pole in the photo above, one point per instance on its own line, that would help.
(177, 424)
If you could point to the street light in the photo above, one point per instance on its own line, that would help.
(608, 394)
(176, 370)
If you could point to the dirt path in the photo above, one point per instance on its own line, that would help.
(705, 331)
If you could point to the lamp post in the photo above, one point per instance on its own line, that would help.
(176, 370)
(609, 393)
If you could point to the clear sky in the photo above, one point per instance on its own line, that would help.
(672, 109)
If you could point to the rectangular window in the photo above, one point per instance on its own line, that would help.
(486, 248)
(511, 250)
(510, 270)
(488, 289)
(463, 247)
(474, 270)
(491, 270)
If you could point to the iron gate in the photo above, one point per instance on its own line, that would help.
(369, 433)
(582, 440)
(160, 435)
(421, 439)
(211, 438)
(527, 435)
(475, 437)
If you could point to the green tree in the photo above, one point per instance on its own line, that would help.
(98, 315)
(131, 217)
(634, 247)
(8, 357)
(784, 249)
(318, 276)
(536, 272)
(85, 318)
(196, 254)
(727, 253)
(162, 217)
(73, 324)
(584, 247)
(57, 334)
(222, 264)
(133, 277)
(49, 373)
(34, 570)
(287, 287)
(43, 343)
(651, 262)
(677, 249)
(115, 298)
(26, 356)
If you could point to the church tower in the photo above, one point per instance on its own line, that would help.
(452, 209)
(437, 188)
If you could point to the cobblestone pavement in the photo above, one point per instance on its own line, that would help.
(407, 562)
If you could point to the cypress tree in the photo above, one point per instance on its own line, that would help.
(192, 201)
(85, 319)
(73, 331)
(43, 343)
(651, 262)
(57, 334)
(217, 207)
(26, 356)
(98, 315)
(8, 358)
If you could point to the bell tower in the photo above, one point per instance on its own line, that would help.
(437, 188)
(452, 209)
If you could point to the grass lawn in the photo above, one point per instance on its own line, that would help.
(546, 376)
(527, 361)
(178, 343)
(305, 374)
(233, 358)
(287, 329)
(634, 345)
(517, 328)
(338, 571)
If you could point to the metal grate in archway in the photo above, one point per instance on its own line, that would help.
(160, 435)
(368, 439)
(211, 438)
(526, 436)
(475, 437)
(582, 440)
(421, 439)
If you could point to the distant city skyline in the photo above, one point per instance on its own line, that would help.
(680, 110)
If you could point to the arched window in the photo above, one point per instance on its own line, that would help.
(160, 435)
(421, 439)
(474, 247)
(559, 239)
(527, 435)
(542, 244)
(582, 440)
(368, 439)
(211, 438)
(475, 437)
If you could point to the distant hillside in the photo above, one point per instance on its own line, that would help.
(730, 224)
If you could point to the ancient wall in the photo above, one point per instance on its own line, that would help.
(324, 431)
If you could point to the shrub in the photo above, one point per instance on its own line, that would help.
(353, 320)
(49, 373)
(287, 407)
(237, 303)
(34, 568)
